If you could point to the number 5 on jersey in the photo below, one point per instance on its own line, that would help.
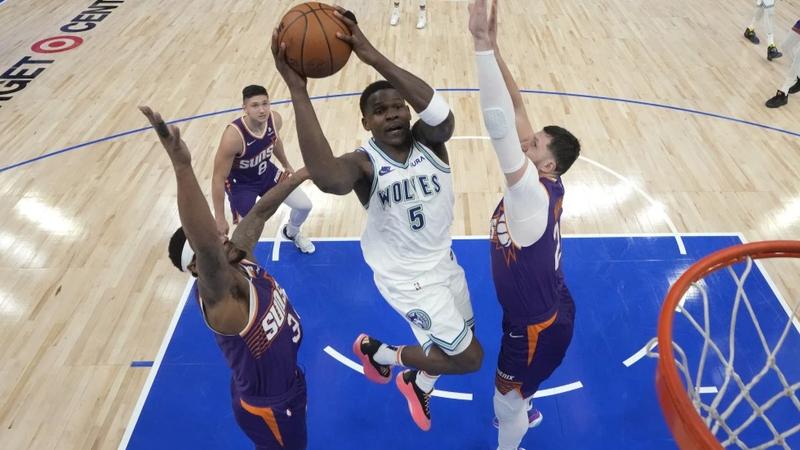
(416, 218)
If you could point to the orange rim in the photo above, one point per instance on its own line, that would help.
(688, 428)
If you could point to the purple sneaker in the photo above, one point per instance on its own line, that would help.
(534, 418)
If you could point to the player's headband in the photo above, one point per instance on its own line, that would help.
(186, 256)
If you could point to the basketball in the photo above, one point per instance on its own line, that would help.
(312, 48)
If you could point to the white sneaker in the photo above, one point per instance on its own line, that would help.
(301, 242)
(395, 18)
(422, 20)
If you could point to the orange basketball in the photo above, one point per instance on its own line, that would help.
(312, 48)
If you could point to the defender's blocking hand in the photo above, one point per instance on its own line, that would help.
(170, 137)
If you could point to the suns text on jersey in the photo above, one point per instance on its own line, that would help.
(263, 155)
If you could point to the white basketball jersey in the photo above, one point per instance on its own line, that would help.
(409, 213)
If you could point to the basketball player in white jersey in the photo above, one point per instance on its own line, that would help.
(538, 310)
(402, 178)
(422, 16)
(764, 9)
(244, 170)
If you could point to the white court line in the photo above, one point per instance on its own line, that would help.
(653, 203)
(137, 410)
(641, 353)
(276, 245)
(649, 347)
(775, 291)
(633, 186)
(357, 367)
(558, 390)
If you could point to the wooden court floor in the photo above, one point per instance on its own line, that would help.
(85, 285)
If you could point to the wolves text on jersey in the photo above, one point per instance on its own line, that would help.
(408, 190)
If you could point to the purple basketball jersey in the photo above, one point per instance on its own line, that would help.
(254, 163)
(528, 280)
(263, 356)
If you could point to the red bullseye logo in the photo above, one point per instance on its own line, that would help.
(57, 44)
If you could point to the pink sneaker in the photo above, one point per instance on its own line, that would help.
(365, 347)
(418, 401)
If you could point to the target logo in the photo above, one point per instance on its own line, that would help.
(57, 44)
(23, 72)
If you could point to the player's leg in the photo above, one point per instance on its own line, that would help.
(791, 85)
(750, 31)
(792, 39)
(460, 291)
(422, 16)
(273, 425)
(301, 206)
(511, 412)
(242, 198)
(394, 19)
(446, 342)
(769, 13)
(549, 345)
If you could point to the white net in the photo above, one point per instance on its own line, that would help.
(748, 399)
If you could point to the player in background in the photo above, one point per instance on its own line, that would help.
(538, 310)
(764, 9)
(243, 167)
(401, 176)
(792, 83)
(254, 325)
(422, 16)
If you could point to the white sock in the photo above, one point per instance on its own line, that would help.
(301, 208)
(291, 229)
(512, 416)
(756, 17)
(426, 381)
(770, 28)
(388, 355)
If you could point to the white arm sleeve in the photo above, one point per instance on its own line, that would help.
(498, 113)
(526, 205)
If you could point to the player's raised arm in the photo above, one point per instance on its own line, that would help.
(332, 175)
(229, 146)
(496, 104)
(214, 278)
(279, 152)
(523, 123)
(437, 121)
(246, 234)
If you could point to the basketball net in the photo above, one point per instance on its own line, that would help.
(705, 422)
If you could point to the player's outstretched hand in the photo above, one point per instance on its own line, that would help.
(170, 137)
(362, 47)
(290, 76)
(493, 25)
(479, 25)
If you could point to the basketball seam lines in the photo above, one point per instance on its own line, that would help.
(327, 42)
(303, 46)
(338, 22)
(286, 27)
